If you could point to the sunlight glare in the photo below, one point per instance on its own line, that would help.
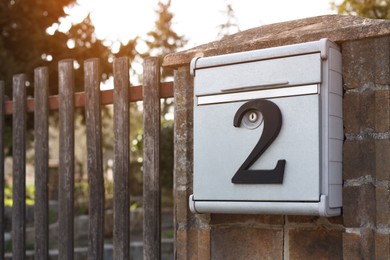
(121, 20)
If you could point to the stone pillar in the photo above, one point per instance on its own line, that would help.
(366, 167)
(363, 229)
(192, 232)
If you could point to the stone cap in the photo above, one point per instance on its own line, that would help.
(338, 28)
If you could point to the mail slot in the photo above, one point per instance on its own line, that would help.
(268, 131)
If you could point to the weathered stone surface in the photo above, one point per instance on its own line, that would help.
(246, 243)
(383, 207)
(382, 110)
(302, 219)
(382, 162)
(365, 45)
(366, 61)
(338, 220)
(382, 246)
(192, 243)
(358, 159)
(315, 244)
(351, 246)
(359, 110)
(359, 245)
(359, 205)
(231, 219)
(192, 231)
(351, 111)
(338, 28)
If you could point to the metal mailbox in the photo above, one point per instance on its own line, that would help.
(268, 131)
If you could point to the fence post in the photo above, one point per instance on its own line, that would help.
(66, 166)
(151, 164)
(95, 160)
(41, 209)
(19, 167)
(2, 122)
(121, 159)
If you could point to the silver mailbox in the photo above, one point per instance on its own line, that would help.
(268, 131)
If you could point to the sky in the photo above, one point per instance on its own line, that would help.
(197, 20)
(206, 15)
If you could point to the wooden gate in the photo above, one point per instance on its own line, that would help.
(66, 101)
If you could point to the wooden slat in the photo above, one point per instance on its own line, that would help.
(41, 125)
(95, 161)
(107, 97)
(121, 159)
(66, 164)
(19, 167)
(151, 163)
(2, 125)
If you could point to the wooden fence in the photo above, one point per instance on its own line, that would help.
(66, 101)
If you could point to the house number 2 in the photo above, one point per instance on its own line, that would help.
(251, 115)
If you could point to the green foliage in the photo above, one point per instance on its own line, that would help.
(25, 43)
(8, 195)
(377, 9)
(30, 195)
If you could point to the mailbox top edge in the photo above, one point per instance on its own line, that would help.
(321, 46)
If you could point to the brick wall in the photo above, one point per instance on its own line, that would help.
(366, 167)
(363, 229)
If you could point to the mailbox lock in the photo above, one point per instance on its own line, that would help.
(252, 119)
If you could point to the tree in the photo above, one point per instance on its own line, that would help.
(230, 26)
(30, 37)
(163, 39)
(377, 9)
(26, 44)
(22, 33)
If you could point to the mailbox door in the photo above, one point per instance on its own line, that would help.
(220, 149)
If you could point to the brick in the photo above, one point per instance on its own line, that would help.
(317, 243)
(302, 219)
(183, 136)
(181, 244)
(351, 246)
(351, 159)
(359, 159)
(382, 60)
(366, 61)
(367, 108)
(181, 207)
(359, 205)
(351, 111)
(382, 246)
(382, 108)
(359, 111)
(231, 219)
(315, 219)
(192, 244)
(203, 244)
(359, 245)
(383, 206)
(382, 162)
(357, 65)
(246, 243)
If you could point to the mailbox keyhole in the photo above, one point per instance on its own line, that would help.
(252, 119)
